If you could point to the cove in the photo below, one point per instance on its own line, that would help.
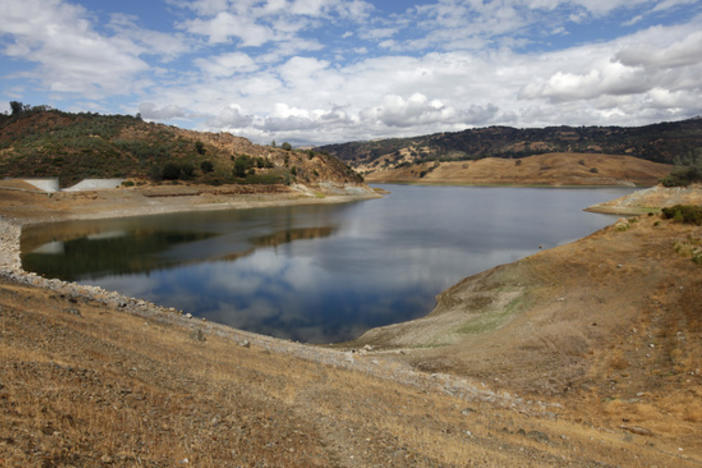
(317, 273)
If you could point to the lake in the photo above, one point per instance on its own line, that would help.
(318, 273)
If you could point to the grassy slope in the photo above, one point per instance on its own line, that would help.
(544, 169)
(76, 146)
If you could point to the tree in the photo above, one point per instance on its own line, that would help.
(241, 165)
(206, 166)
(187, 171)
(170, 171)
(286, 146)
(200, 147)
(17, 107)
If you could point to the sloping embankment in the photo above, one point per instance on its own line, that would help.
(651, 200)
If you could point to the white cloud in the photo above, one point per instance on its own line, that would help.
(226, 64)
(225, 26)
(331, 70)
(151, 111)
(71, 56)
(649, 54)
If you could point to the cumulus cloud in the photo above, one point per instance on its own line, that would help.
(685, 52)
(232, 117)
(151, 111)
(70, 55)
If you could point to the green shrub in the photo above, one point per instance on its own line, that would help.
(187, 171)
(206, 166)
(682, 176)
(200, 147)
(170, 171)
(594, 170)
(286, 146)
(689, 214)
(242, 164)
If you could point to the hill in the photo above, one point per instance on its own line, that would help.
(44, 142)
(668, 142)
(543, 169)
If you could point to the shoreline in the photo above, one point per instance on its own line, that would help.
(348, 358)
(520, 370)
(508, 185)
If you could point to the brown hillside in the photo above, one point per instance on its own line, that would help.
(544, 169)
(51, 143)
(611, 324)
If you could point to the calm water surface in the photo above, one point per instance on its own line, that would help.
(315, 273)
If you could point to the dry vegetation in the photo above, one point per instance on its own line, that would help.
(610, 325)
(584, 355)
(543, 169)
(83, 384)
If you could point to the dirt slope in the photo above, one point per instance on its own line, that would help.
(543, 169)
(611, 323)
(85, 383)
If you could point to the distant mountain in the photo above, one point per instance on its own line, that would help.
(668, 142)
(43, 142)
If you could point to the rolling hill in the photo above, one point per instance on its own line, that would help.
(44, 142)
(407, 158)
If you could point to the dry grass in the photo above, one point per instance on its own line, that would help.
(543, 169)
(106, 387)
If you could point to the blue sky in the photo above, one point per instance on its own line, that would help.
(320, 71)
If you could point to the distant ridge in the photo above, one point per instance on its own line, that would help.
(665, 142)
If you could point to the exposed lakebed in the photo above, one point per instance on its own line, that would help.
(318, 273)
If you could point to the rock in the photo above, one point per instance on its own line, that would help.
(538, 436)
(467, 411)
(106, 459)
(188, 315)
(245, 344)
(73, 312)
(636, 430)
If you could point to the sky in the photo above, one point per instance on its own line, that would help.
(323, 71)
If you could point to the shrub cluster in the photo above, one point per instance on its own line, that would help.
(173, 171)
(689, 214)
(683, 176)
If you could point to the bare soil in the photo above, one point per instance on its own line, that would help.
(20, 202)
(552, 169)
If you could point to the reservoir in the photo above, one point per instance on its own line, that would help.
(316, 273)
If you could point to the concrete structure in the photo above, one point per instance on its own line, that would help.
(94, 184)
(48, 184)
